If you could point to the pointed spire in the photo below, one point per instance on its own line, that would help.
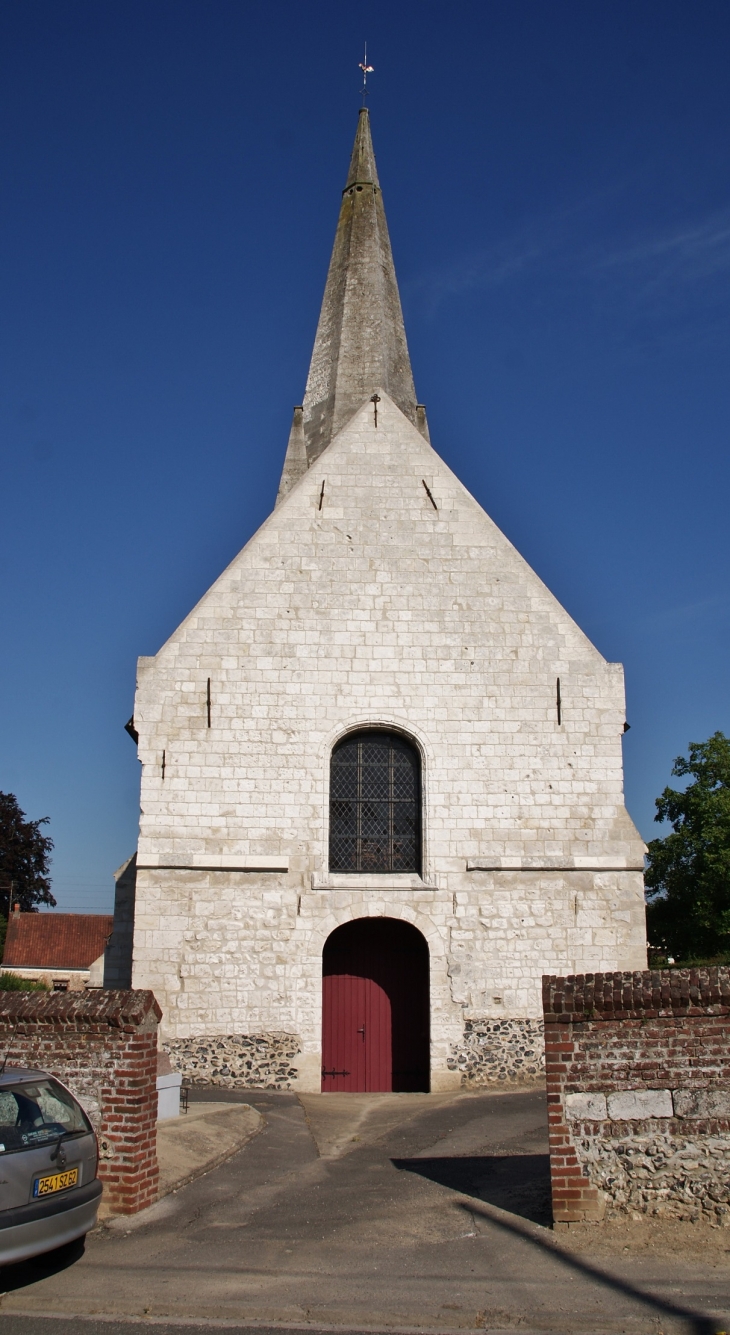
(360, 345)
(362, 163)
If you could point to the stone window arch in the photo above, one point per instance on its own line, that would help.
(375, 804)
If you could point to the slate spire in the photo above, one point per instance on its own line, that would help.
(360, 345)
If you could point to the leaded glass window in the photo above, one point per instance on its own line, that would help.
(375, 804)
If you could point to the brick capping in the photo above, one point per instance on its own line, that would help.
(121, 1010)
(648, 994)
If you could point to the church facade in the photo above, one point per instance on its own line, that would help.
(382, 784)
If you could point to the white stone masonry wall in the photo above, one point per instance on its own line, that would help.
(377, 609)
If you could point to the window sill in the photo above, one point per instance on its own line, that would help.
(387, 880)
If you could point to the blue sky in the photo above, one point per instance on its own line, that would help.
(557, 189)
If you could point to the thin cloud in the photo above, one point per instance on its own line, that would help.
(717, 604)
(696, 252)
(648, 272)
(494, 266)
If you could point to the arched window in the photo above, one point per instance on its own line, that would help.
(375, 804)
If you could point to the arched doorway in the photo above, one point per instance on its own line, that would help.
(375, 1008)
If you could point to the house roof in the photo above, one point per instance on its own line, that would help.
(56, 940)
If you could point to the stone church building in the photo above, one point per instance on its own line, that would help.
(382, 786)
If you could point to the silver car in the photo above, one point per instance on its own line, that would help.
(49, 1191)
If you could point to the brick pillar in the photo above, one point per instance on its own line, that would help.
(103, 1045)
(574, 1199)
(128, 1132)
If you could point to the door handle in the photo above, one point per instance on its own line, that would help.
(362, 1031)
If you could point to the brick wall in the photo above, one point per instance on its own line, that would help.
(103, 1045)
(638, 1086)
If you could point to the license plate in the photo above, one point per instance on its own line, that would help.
(45, 1186)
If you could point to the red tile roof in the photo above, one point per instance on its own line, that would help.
(56, 940)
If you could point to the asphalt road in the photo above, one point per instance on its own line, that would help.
(366, 1213)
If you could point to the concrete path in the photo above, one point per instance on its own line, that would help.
(192, 1144)
(200, 1139)
(434, 1219)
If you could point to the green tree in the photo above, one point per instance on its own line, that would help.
(688, 876)
(24, 857)
(11, 982)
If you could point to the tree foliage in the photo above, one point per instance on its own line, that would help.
(12, 982)
(688, 876)
(24, 857)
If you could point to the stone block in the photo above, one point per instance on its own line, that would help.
(631, 1105)
(701, 1102)
(585, 1107)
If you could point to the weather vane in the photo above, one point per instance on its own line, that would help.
(366, 69)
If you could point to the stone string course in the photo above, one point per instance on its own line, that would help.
(244, 1061)
(638, 1080)
(499, 1052)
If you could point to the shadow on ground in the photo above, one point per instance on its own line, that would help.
(694, 1321)
(23, 1273)
(519, 1183)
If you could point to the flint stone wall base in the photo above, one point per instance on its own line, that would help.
(668, 1174)
(496, 1052)
(236, 1061)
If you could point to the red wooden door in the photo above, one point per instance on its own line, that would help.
(375, 1008)
(356, 1052)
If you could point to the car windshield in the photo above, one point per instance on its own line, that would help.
(38, 1112)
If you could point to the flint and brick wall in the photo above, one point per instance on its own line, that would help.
(638, 1087)
(103, 1046)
